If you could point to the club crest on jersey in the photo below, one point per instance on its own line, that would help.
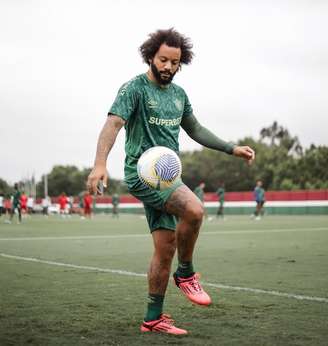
(152, 103)
(178, 104)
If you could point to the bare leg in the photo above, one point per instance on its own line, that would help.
(12, 212)
(258, 208)
(261, 211)
(184, 204)
(19, 215)
(160, 265)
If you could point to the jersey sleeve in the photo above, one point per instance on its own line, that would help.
(187, 110)
(125, 102)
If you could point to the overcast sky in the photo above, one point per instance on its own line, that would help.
(62, 62)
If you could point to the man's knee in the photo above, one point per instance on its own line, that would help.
(195, 213)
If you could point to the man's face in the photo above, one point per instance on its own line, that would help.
(165, 64)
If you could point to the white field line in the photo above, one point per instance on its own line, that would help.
(114, 236)
(128, 273)
(59, 264)
(305, 203)
(273, 293)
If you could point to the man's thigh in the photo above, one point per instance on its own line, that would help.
(182, 201)
(154, 202)
(152, 197)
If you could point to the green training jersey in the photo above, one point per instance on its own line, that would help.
(220, 192)
(199, 192)
(115, 199)
(153, 115)
(16, 198)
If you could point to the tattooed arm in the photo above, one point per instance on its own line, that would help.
(106, 141)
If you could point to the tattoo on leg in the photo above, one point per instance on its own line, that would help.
(184, 204)
(177, 203)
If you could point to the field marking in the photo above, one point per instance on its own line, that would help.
(271, 292)
(128, 273)
(60, 264)
(79, 237)
(113, 236)
(272, 230)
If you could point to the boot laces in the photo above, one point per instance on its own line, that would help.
(195, 284)
(167, 319)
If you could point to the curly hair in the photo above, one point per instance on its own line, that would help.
(173, 39)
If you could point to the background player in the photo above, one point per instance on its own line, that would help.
(2, 203)
(199, 191)
(87, 203)
(45, 203)
(115, 203)
(62, 200)
(220, 192)
(16, 204)
(23, 203)
(259, 196)
(30, 205)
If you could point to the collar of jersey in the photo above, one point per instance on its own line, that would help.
(156, 85)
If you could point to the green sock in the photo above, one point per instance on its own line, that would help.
(154, 307)
(185, 269)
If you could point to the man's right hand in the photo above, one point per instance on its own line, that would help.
(97, 176)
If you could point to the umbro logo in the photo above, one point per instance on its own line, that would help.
(152, 103)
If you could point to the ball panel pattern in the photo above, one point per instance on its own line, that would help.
(167, 167)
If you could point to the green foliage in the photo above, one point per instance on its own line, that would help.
(278, 135)
(212, 167)
(72, 181)
(68, 179)
(5, 189)
(280, 163)
(116, 186)
(313, 168)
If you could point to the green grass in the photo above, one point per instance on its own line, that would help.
(44, 304)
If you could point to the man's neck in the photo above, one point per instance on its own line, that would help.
(151, 77)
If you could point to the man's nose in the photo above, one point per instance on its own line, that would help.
(168, 65)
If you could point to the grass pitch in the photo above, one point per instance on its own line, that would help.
(82, 282)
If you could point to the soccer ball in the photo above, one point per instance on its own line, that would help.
(159, 167)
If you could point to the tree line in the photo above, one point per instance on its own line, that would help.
(281, 163)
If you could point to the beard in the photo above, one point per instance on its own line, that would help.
(162, 80)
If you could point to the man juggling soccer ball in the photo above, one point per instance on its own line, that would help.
(152, 109)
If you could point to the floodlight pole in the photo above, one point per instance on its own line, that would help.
(45, 185)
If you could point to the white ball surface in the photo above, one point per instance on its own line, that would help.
(159, 167)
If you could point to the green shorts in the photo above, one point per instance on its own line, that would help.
(154, 202)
